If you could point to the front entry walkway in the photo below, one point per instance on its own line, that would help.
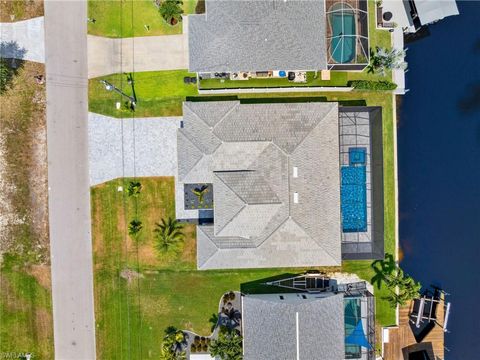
(150, 53)
(131, 147)
(23, 40)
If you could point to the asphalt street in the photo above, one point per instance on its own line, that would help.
(68, 178)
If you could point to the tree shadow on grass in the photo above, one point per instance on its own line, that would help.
(11, 61)
(383, 268)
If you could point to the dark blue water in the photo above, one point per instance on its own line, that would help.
(439, 171)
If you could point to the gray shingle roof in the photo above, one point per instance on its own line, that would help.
(255, 35)
(270, 327)
(257, 224)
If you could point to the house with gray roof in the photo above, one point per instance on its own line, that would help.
(271, 173)
(255, 35)
(275, 175)
(336, 323)
(274, 36)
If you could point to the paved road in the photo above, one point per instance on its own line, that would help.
(124, 148)
(69, 196)
(149, 53)
(23, 40)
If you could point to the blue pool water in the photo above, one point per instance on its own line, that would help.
(343, 31)
(353, 198)
(357, 156)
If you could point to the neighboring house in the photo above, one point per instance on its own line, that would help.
(333, 323)
(411, 15)
(278, 35)
(288, 184)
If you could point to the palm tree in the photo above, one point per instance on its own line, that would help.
(200, 192)
(228, 345)
(171, 11)
(402, 288)
(134, 188)
(168, 234)
(134, 227)
(387, 59)
(174, 344)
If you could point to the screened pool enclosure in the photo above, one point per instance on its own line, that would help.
(347, 34)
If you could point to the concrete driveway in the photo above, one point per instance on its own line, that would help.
(131, 147)
(23, 40)
(149, 53)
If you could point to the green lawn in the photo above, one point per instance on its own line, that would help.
(127, 18)
(159, 93)
(376, 37)
(25, 312)
(337, 78)
(131, 316)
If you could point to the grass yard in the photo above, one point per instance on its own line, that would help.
(377, 37)
(128, 18)
(159, 93)
(17, 10)
(25, 309)
(132, 314)
(25, 289)
(337, 78)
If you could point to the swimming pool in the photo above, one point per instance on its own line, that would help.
(353, 198)
(342, 24)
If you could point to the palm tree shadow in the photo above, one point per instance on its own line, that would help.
(383, 268)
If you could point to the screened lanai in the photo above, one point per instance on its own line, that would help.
(347, 34)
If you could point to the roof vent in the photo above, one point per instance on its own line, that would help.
(295, 197)
(295, 172)
(281, 297)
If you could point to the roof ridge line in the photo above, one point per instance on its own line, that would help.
(205, 123)
(237, 103)
(305, 231)
(313, 128)
(199, 227)
(196, 162)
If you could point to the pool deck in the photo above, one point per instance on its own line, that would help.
(402, 341)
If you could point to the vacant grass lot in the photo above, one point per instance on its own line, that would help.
(159, 93)
(17, 10)
(25, 309)
(128, 18)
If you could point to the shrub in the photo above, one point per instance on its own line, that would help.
(193, 348)
(372, 85)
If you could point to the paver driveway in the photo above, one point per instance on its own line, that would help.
(131, 147)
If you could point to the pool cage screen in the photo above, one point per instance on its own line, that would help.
(347, 34)
(360, 309)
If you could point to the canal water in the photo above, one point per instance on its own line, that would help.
(439, 171)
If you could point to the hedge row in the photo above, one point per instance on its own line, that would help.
(372, 85)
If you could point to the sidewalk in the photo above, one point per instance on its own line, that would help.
(23, 40)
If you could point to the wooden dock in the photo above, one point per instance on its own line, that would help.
(402, 342)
